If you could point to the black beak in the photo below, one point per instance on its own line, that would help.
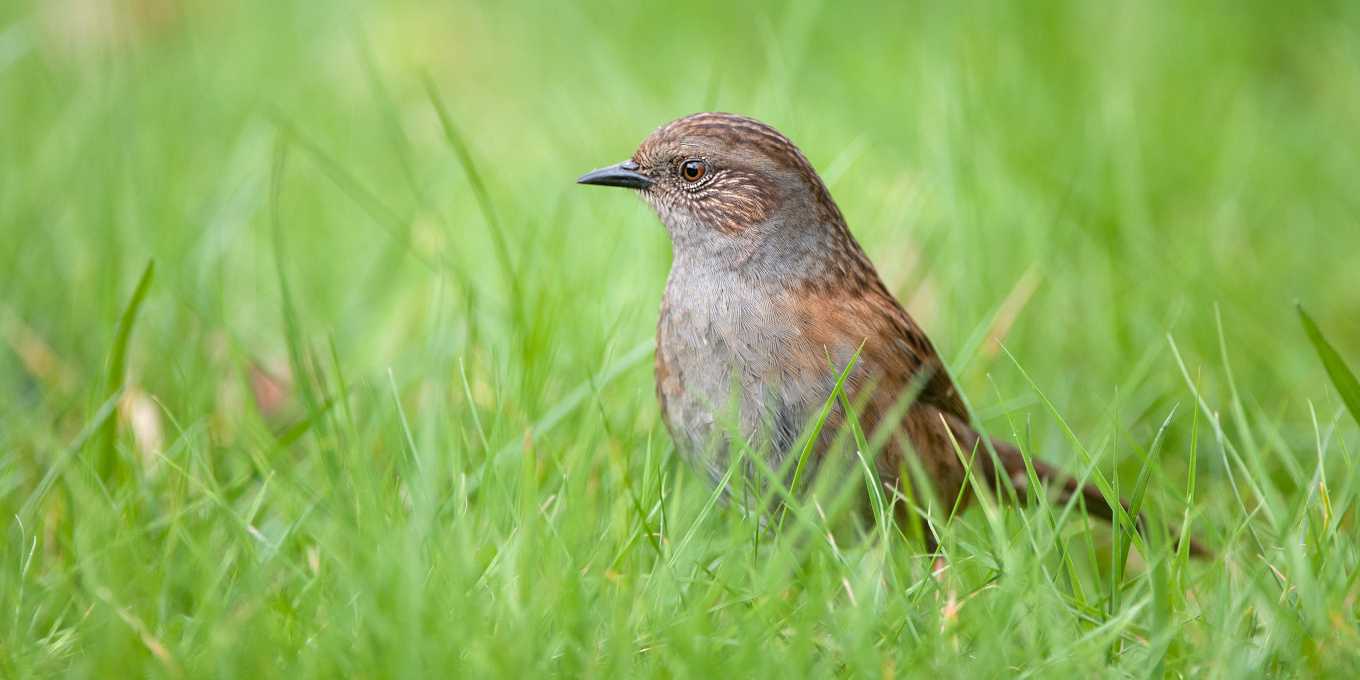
(623, 174)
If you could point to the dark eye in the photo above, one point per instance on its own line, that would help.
(693, 169)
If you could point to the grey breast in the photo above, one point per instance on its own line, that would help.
(729, 344)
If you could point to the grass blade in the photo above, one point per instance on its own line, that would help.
(101, 417)
(1239, 413)
(875, 486)
(1122, 540)
(474, 177)
(1111, 496)
(821, 420)
(1342, 377)
(564, 407)
(118, 370)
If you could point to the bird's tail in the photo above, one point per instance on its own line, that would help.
(1013, 464)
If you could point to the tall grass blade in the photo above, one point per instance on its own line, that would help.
(1342, 377)
(474, 178)
(1239, 413)
(108, 455)
(1111, 496)
(821, 421)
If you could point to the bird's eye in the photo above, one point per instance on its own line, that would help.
(692, 170)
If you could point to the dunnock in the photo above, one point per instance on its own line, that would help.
(767, 284)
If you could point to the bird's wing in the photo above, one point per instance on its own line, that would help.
(908, 337)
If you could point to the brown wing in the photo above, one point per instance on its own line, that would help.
(910, 339)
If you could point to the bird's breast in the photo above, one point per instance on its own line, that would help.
(736, 358)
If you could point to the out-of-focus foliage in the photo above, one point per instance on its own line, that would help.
(369, 425)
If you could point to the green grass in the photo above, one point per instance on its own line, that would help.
(386, 408)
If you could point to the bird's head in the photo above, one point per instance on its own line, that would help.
(719, 177)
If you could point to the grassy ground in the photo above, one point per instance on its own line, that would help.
(385, 408)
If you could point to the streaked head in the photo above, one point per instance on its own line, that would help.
(719, 173)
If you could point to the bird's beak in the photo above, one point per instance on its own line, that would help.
(623, 174)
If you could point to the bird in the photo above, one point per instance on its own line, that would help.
(769, 299)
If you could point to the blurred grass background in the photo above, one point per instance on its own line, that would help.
(1083, 180)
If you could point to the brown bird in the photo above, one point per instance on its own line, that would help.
(766, 285)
